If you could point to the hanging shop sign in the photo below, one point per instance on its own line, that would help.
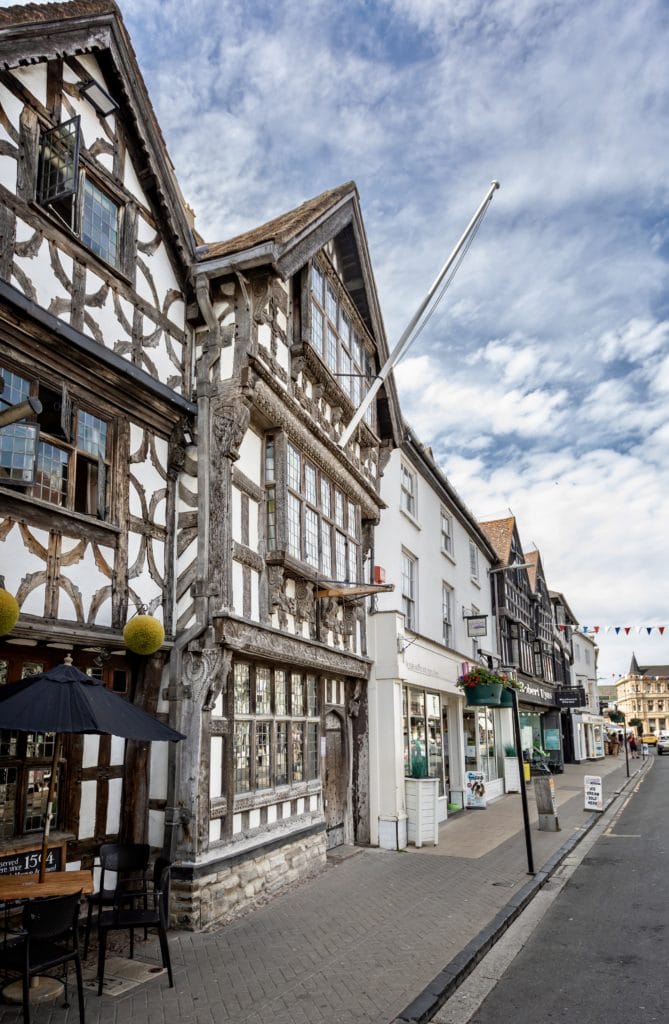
(477, 625)
(571, 697)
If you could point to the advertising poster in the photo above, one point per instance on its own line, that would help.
(475, 795)
(594, 800)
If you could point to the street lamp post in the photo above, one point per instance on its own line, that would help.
(523, 789)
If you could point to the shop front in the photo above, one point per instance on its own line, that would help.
(540, 733)
(589, 735)
(484, 747)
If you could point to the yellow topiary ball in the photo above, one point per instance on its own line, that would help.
(9, 612)
(143, 634)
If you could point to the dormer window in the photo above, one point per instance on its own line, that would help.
(74, 196)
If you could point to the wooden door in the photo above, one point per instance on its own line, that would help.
(334, 789)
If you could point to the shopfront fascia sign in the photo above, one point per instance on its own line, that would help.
(537, 693)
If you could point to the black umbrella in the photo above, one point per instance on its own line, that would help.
(65, 700)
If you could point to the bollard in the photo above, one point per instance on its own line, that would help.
(544, 792)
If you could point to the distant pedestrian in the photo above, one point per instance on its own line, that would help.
(633, 745)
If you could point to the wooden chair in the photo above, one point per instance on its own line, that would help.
(135, 910)
(129, 861)
(49, 938)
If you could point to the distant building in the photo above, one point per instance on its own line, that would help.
(644, 694)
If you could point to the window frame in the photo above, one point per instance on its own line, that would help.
(408, 494)
(342, 345)
(291, 710)
(447, 606)
(62, 423)
(474, 568)
(410, 592)
(446, 517)
(322, 524)
(69, 205)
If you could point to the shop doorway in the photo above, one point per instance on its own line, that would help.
(334, 782)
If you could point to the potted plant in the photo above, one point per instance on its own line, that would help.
(511, 769)
(421, 794)
(508, 684)
(482, 688)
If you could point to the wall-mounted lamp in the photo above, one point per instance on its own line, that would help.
(98, 98)
(513, 565)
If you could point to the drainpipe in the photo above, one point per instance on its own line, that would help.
(177, 814)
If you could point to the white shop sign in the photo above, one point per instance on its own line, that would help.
(594, 800)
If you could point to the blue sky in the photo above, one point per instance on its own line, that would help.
(542, 382)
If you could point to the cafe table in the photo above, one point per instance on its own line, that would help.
(21, 888)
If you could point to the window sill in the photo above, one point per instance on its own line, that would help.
(412, 519)
(448, 555)
(50, 514)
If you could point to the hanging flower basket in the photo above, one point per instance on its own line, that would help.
(482, 688)
(9, 611)
(143, 634)
(506, 700)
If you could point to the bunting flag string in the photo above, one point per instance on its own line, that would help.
(618, 630)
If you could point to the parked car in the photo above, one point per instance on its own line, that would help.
(663, 745)
(650, 738)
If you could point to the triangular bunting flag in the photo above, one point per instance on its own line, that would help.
(617, 629)
(661, 629)
(627, 630)
(649, 630)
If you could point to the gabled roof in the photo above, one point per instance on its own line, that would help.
(287, 242)
(281, 230)
(533, 558)
(32, 33)
(647, 670)
(558, 598)
(500, 534)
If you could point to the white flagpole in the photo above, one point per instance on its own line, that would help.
(404, 341)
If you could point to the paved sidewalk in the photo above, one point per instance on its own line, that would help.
(379, 936)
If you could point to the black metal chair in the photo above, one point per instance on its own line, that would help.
(129, 861)
(49, 938)
(148, 910)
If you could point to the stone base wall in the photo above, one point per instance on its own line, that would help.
(231, 889)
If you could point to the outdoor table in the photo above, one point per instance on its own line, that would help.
(56, 883)
(20, 888)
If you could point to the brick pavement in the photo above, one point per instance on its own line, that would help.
(379, 936)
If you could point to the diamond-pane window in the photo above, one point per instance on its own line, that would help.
(99, 223)
(59, 162)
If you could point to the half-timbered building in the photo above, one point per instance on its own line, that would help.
(95, 246)
(272, 652)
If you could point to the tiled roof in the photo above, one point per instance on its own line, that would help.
(532, 558)
(283, 228)
(653, 670)
(500, 534)
(26, 14)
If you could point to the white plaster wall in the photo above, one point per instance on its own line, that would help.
(143, 585)
(236, 514)
(214, 830)
(88, 578)
(216, 767)
(159, 771)
(422, 537)
(131, 182)
(117, 752)
(156, 828)
(237, 587)
(8, 163)
(91, 750)
(18, 563)
(255, 596)
(254, 512)
(250, 456)
(34, 79)
(87, 810)
(39, 270)
(114, 805)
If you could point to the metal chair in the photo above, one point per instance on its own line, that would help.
(139, 910)
(49, 938)
(129, 861)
